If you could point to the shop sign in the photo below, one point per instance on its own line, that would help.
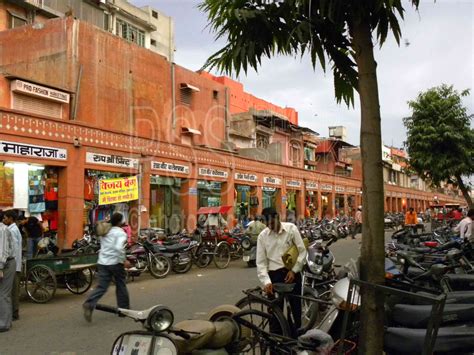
(245, 177)
(311, 185)
(386, 154)
(176, 168)
(351, 190)
(340, 189)
(271, 180)
(326, 187)
(118, 190)
(39, 91)
(112, 160)
(396, 167)
(193, 191)
(293, 183)
(213, 172)
(34, 151)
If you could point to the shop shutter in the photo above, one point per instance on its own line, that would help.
(36, 106)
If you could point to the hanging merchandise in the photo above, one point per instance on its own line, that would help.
(89, 188)
(36, 191)
(6, 184)
(51, 189)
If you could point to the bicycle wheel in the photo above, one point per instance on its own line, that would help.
(159, 266)
(40, 284)
(222, 255)
(256, 334)
(80, 281)
(279, 324)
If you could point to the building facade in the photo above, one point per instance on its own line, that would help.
(72, 120)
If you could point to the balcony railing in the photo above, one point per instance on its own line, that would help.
(37, 3)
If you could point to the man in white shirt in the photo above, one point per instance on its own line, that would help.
(215, 220)
(465, 227)
(110, 264)
(273, 242)
(9, 219)
(7, 275)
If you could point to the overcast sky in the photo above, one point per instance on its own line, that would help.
(440, 50)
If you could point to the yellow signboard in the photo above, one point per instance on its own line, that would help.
(118, 190)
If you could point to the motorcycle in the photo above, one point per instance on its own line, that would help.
(142, 257)
(249, 247)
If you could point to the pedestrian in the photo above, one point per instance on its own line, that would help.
(357, 222)
(34, 230)
(7, 275)
(111, 265)
(215, 220)
(411, 218)
(272, 243)
(9, 219)
(465, 227)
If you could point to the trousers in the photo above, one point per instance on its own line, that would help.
(278, 276)
(106, 274)
(6, 285)
(16, 295)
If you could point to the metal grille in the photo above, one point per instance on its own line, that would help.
(186, 96)
(36, 106)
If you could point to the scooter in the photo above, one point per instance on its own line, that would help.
(249, 247)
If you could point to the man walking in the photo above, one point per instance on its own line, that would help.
(357, 222)
(111, 265)
(9, 219)
(7, 274)
(465, 227)
(273, 242)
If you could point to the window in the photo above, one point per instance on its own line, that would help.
(262, 141)
(309, 154)
(153, 42)
(130, 33)
(154, 14)
(215, 94)
(186, 96)
(295, 154)
(17, 20)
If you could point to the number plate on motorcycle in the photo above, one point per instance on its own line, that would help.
(135, 344)
(246, 258)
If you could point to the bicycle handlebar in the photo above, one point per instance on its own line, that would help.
(105, 308)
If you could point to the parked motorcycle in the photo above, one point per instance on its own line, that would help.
(142, 257)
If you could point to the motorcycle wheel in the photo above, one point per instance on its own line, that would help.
(309, 310)
(159, 266)
(203, 257)
(182, 269)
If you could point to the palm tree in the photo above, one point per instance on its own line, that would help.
(340, 33)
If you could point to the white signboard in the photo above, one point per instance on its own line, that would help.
(340, 189)
(111, 160)
(34, 151)
(39, 91)
(271, 180)
(386, 154)
(176, 168)
(311, 185)
(293, 183)
(326, 187)
(351, 190)
(213, 172)
(245, 177)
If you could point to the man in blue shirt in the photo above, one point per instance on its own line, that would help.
(9, 219)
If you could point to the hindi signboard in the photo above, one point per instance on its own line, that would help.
(293, 183)
(33, 151)
(271, 180)
(171, 167)
(245, 177)
(112, 160)
(213, 172)
(118, 190)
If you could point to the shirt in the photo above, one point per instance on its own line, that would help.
(215, 221)
(464, 228)
(358, 217)
(112, 247)
(6, 245)
(411, 218)
(272, 246)
(17, 244)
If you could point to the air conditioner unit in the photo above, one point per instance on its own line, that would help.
(103, 2)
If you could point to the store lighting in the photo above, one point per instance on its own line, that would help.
(28, 166)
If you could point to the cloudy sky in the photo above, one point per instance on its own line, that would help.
(440, 50)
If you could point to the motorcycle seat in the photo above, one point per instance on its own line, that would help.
(418, 316)
(175, 247)
(450, 340)
(461, 282)
(283, 288)
(421, 250)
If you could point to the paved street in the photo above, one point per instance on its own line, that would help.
(59, 328)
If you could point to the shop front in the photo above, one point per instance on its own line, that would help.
(327, 200)
(110, 185)
(311, 199)
(166, 182)
(340, 203)
(271, 193)
(246, 196)
(210, 186)
(292, 196)
(29, 180)
(351, 200)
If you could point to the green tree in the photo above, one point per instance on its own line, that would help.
(440, 141)
(340, 33)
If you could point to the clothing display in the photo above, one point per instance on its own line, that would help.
(36, 203)
(6, 182)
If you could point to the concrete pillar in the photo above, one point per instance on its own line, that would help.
(189, 203)
(281, 202)
(300, 204)
(332, 203)
(228, 198)
(346, 207)
(71, 199)
(320, 206)
(145, 195)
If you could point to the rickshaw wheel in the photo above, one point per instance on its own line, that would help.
(222, 255)
(40, 284)
(80, 281)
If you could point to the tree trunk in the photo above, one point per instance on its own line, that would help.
(464, 191)
(372, 262)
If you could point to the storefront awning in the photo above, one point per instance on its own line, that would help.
(213, 210)
(189, 86)
(187, 130)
